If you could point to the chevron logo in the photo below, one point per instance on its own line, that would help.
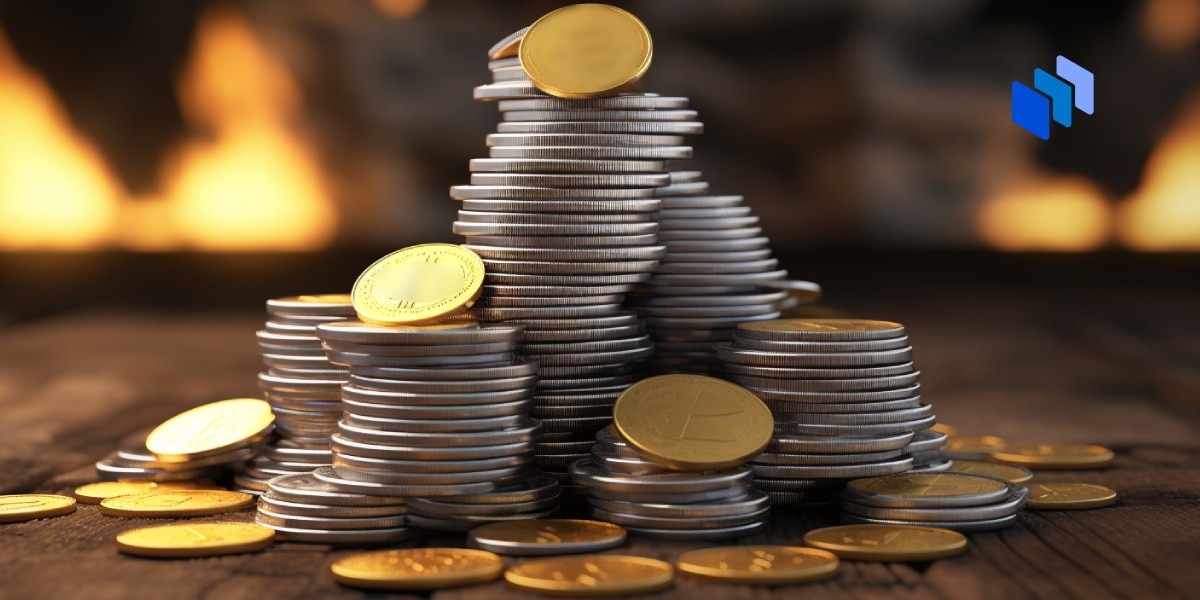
(1052, 97)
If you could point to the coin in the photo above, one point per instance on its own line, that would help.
(693, 422)
(1054, 456)
(319, 305)
(999, 510)
(417, 568)
(1010, 473)
(888, 543)
(586, 51)
(945, 428)
(189, 540)
(176, 503)
(93, 493)
(1069, 496)
(508, 46)
(26, 507)
(961, 526)
(759, 565)
(592, 575)
(973, 447)
(210, 429)
(418, 283)
(537, 537)
(931, 490)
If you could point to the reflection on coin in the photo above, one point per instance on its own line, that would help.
(186, 540)
(417, 568)
(1068, 496)
(822, 329)
(26, 507)
(693, 422)
(585, 51)
(759, 565)
(592, 575)
(210, 429)
(418, 283)
(176, 503)
(535, 537)
(889, 543)
(1011, 473)
(93, 493)
(1055, 456)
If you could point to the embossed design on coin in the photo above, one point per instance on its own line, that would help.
(418, 283)
(891, 543)
(760, 565)
(417, 568)
(531, 537)
(180, 540)
(1069, 496)
(586, 51)
(210, 429)
(26, 507)
(595, 575)
(176, 503)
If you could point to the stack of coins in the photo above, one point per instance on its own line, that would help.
(303, 387)
(133, 461)
(957, 501)
(845, 397)
(302, 508)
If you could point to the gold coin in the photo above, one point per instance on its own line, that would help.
(1055, 456)
(929, 485)
(418, 283)
(949, 430)
(176, 503)
(1068, 496)
(1011, 473)
(760, 565)
(693, 422)
(847, 329)
(592, 575)
(26, 507)
(974, 444)
(187, 540)
(889, 543)
(547, 536)
(417, 568)
(586, 51)
(210, 429)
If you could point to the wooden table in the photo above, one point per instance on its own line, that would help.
(1107, 364)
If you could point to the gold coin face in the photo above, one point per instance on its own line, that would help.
(928, 485)
(949, 430)
(586, 51)
(187, 540)
(418, 283)
(210, 429)
(889, 543)
(26, 507)
(693, 422)
(93, 493)
(1011, 473)
(592, 575)
(417, 568)
(821, 325)
(1055, 456)
(1068, 496)
(975, 444)
(176, 503)
(760, 565)
(550, 531)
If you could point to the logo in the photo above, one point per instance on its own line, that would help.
(1052, 97)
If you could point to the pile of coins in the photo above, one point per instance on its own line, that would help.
(302, 386)
(955, 501)
(845, 397)
(302, 508)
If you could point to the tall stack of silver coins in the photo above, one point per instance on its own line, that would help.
(438, 412)
(625, 488)
(302, 386)
(563, 215)
(845, 397)
(940, 501)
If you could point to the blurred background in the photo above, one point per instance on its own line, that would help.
(203, 153)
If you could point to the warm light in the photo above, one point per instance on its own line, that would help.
(1171, 25)
(1064, 214)
(399, 9)
(1164, 213)
(55, 191)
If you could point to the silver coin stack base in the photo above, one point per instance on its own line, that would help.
(302, 508)
(965, 513)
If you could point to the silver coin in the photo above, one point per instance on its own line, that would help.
(609, 459)
(701, 202)
(905, 415)
(275, 383)
(961, 526)
(717, 268)
(506, 42)
(620, 102)
(306, 489)
(271, 519)
(706, 312)
(715, 212)
(650, 127)
(430, 453)
(863, 429)
(927, 440)
(534, 487)
(552, 218)
(108, 470)
(697, 323)
(434, 468)
(272, 503)
(453, 425)
(572, 181)
(569, 254)
(249, 485)
(310, 306)
(784, 408)
(712, 245)
(516, 368)
(939, 465)
(329, 371)
(547, 312)
(564, 165)
(510, 229)
(560, 241)
(738, 233)
(847, 471)
(598, 346)
(598, 358)
(581, 280)
(547, 399)
(528, 432)
(730, 353)
(357, 332)
(678, 523)
(614, 140)
(357, 359)
(830, 373)
(582, 425)
(343, 537)
(506, 62)
(599, 115)
(468, 522)
(695, 535)
(441, 387)
(593, 152)
(581, 335)
(617, 320)
(754, 501)
(282, 340)
(480, 539)
(532, 192)
(425, 350)
(771, 458)
(279, 360)
(507, 90)
(803, 499)
(887, 330)
(438, 509)
(588, 474)
(837, 397)
(853, 346)
(982, 491)
(548, 210)
(509, 74)
(814, 487)
(686, 177)
(328, 475)
(704, 224)
(715, 495)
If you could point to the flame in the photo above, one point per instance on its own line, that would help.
(1164, 213)
(55, 191)
(1064, 214)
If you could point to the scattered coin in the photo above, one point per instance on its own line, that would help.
(176, 503)
(93, 493)
(211, 429)
(417, 568)
(190, 540)
(1069, 496)
(888, 543)
(418, 283)
(26, 507)
(536, 537)
(1055, 456)
(759, 565)
(592, 575)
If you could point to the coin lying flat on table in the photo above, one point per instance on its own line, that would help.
(592, 575)
(1069, 496)
(1055, 456)
(841, 330)
(418, 283)
(27, 507)
(176, 503)
(535, 537)
(210, 429)
(888, 543)
(973, 447)
(417, 568)
(93, 493)
(1011, 473)
(759, 565)
(928, 490)
(585, 51)
(188, 540)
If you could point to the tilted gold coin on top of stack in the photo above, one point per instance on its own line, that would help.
(674, 467)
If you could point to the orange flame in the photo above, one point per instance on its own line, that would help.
(1164, 213)
(1065, 214)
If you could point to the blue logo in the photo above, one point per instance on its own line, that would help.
(1051, 97)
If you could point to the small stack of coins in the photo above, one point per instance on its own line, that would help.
(303, 387)
(846, 402)
(302, 508)
(957, 501)
(133, 460)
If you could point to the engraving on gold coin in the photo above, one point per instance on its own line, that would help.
(210, 429)
(26, 507)
(417, 568)
(892, 543)
(176, 503)
(1055, 456)
(586, 51)
(180, 540)
(592, 575)
(93, 493)
(693, 422)
(1068, 496)
(929, 485)
(760, 565)
(547, 536)
(1010, 473)
(418, 283)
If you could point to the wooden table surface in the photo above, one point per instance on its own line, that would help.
(1117, 369)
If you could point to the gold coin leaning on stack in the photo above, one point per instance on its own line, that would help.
(418, 284)
(674, 466)
(585, 51)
